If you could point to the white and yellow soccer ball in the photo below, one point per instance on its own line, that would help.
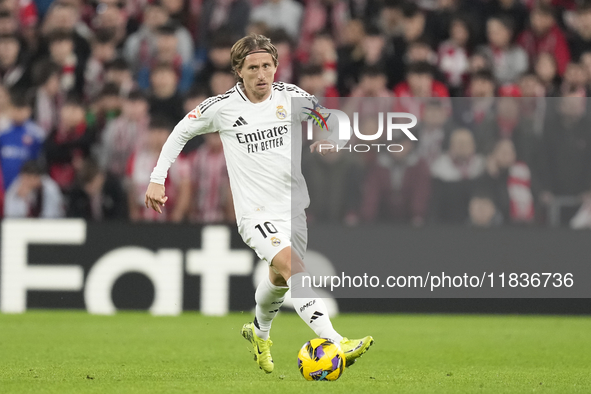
(321, 359)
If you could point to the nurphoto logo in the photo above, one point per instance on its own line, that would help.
(391, 120)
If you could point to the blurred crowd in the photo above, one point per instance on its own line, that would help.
(92, 88)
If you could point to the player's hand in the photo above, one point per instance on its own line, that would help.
(155, 197)
(323, 147)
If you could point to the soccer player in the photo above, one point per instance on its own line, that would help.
(253, 120)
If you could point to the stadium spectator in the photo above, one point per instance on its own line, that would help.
(454, 176)
(564, 169)
(312, 81)
(103, 51)
(390, 19)
(13, 63)
(192, 99)
(48, 95)
(350, 57)
(580, 39)
(8, 24)
(375, 188)
(544, 35)
(112, 16)
(69, 144)
(514, 9)
(229, 16)
(373, 47)
(410, 182)
(212, 198)
(280, 14)
(508, 61)
(506, 122)
(178, 11)
(61, 52)
(575, 78)
(221, 81)
(483, 212)
(372, 83)
(165, 99)
(4, 107)
(124, 134)
(65, 16)
(166, 53)
(140, 46)
(286, 70)
(141, 164)
(508, 182)
(117, 72)
(135, 11)
(433, 131)
(453, 56)
(218, 58)
(533, 110)
(370, 97)
(33, 194)
(106, 107)
(333, 183)
(545, 69)
(474, 109)
(420, 84)
(21, 140)
(420, 51)
(413, 28)
(324, 54)
(479, 61)
(97, 195)
(319, 15)
(439, 20)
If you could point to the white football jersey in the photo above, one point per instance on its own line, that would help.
(263, 153)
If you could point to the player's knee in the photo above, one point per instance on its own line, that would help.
(287, 263)
(278, 280)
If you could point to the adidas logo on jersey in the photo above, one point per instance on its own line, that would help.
(240, 122)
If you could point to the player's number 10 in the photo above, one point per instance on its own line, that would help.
(269, 226)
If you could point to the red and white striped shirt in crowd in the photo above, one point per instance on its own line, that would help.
(120, 139)
(140, 166)
(211, 185)
(520, 196)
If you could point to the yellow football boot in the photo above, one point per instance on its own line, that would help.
(354, 348)
(261, 348)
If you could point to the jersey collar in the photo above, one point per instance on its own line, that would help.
(241, 92)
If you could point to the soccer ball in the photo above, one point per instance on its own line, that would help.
(321, 359)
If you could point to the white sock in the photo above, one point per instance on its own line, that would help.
(269, 299)
(311, 309)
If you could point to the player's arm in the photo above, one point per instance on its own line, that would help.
(194, 123)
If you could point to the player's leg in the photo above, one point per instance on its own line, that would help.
(312, 308)
(306, 302)
(269, 297)
(270, 292)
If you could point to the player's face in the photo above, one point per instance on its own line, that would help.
(258, 72)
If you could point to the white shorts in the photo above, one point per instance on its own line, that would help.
(267, 237)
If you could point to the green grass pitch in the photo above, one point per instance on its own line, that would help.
(133, 352)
